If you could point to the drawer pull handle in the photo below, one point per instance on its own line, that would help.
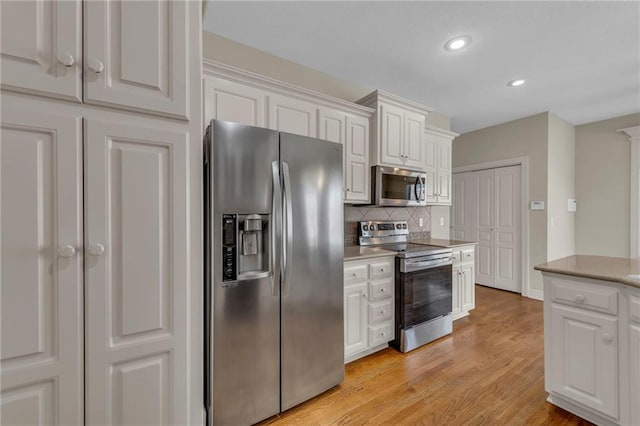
(381, 269)
(607, 337)
(580, 298)
(382, 290)
(383, 334)
(354, 274)
(383, 312)
(364, 295)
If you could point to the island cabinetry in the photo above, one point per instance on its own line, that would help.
(634, 357)
(232, 94)
(368, 306)
(397, 130)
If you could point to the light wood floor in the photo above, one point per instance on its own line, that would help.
(490, 371)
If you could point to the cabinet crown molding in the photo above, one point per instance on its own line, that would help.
(440, 131)
(632, 132)
(381, 96)
(228, 72)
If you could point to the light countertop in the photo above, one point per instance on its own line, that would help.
(438, 242)
(615, 269)
(359, 252)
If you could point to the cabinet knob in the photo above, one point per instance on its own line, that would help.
(96, 249)
(354, 274)
(383, 312)
(66, 59)
(95, 66)
(382, 290)
(580, 298)
(347, 189)
(66, 251)
(381, 269)
(364, 295)
(607, 337)
(383, 334)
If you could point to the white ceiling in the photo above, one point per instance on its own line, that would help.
(581, 59)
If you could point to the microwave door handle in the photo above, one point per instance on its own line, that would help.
(276, 228)
(415, 188)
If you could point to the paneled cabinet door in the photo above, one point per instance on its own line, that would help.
(431, 170)
(413, 133)
(41, 293)
(355, 318)
(228, 101)
(457, 291)
(136, 209)
(357, 173)
(42, 47)
(584, 358)
(134, 68)
(634, 359)
(444, 172)
(292, 116)
(467, 294)
(391, 136)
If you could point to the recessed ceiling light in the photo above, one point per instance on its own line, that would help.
(517, 82)
(457, 43)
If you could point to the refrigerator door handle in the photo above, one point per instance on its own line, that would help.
(288, 228)
(276, 228)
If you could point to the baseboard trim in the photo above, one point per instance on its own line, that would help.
(534, 294)
(579, 411)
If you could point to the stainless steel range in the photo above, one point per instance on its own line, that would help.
(423, 283)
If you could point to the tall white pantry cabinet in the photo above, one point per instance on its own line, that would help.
(100, 213)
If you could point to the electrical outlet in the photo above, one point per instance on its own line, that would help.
(420, 222)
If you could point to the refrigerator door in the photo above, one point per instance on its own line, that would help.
(244, 328)
(312, 289)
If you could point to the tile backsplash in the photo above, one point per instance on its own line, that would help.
(354, 214)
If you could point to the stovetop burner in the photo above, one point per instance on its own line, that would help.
(392, 235)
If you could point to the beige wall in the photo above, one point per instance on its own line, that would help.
(248, 58)
(602, 187)
(525, 137)
(560, 188)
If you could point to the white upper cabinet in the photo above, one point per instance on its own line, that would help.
(137, 55)
(437, 160)
(41, 47)
(231, 94)
(41, 238)
(397, 131)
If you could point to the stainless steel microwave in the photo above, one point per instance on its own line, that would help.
(392, 186)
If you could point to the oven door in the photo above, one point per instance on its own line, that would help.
(398, 187)
(424, 295)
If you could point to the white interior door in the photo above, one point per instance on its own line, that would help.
(481, 202)
(40, 245)
(137, 224)
(41, 47)
(137, 55)
(507, 229)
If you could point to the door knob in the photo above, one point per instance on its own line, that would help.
(95, 66)
(96, 249)
(66, 251)
(66, 59)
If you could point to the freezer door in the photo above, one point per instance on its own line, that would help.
(243, 328)
(312, 288)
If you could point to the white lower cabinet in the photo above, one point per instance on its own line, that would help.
(368, 306)
(592, 349)
(464, 287)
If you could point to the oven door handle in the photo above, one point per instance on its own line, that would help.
(412, 266)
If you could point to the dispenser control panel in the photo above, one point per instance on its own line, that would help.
(229, 226)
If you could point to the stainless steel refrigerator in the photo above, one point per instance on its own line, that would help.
(273, 271)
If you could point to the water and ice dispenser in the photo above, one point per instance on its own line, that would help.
(245, 247)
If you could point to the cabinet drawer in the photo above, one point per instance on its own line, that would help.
(380, 269)
(468, 256)
(355, 273)
(634, 308)
(379, 334)
(381, 289)
(380, 311)
(583, 295)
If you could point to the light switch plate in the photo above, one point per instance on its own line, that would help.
(571, 205)
(537, 205)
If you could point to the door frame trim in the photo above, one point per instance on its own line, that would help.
(523, 162)
(633, 133)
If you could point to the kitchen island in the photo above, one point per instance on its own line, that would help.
(592, 337)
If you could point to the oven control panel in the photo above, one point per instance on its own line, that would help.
(382, 228)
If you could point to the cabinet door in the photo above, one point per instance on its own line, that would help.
(41, 293)
(228, 101)
(457, 291)
(584, 358)
(134, 68)
(468, 287)
(634, 359)
(355, 318)
(444, 171)
(136, 210)
(292, 116)
(431, 170)
(391, 136)
(42, 47)
(413, 135)
(358, 172)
